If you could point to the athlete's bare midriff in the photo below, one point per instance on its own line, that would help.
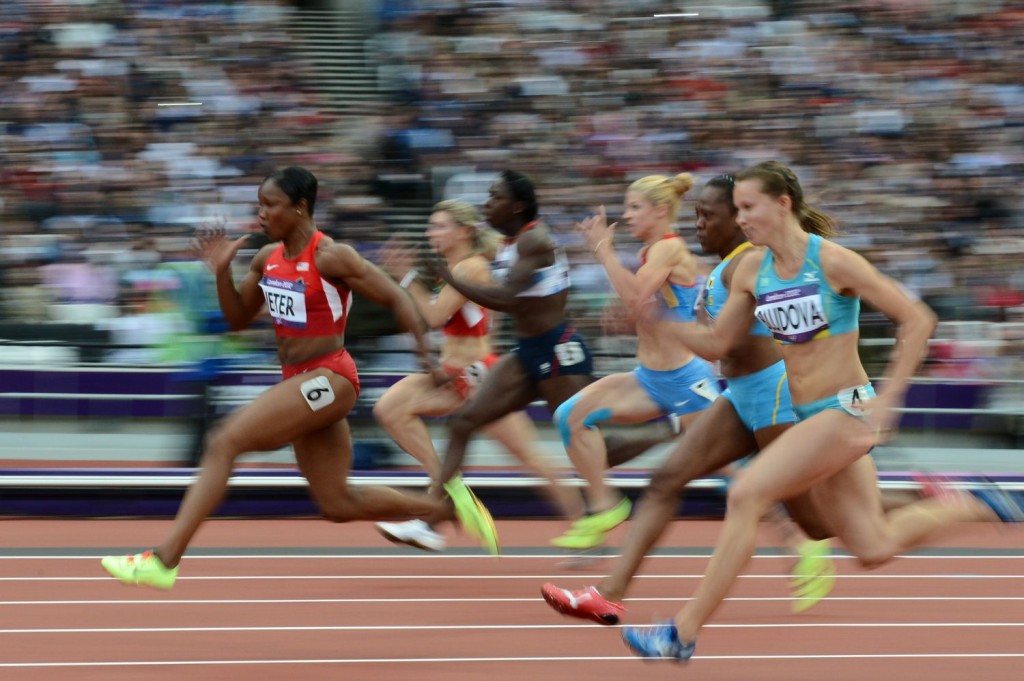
(536, 316)
(820, 368)
(657, 347)
(460, 351)
(292, 351)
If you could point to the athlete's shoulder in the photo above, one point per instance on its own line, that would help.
(473, 265)
(741, 273)
(535, 242)
(263, 255)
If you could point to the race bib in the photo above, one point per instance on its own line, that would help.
(706, 389)
(286, 301)
(852, 399)
(475, 373)
(793, 315)
(317, 392)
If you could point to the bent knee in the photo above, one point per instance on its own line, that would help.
(224, 442)
(872, 557)
(746, 497)
(385, 414)
(667, 483)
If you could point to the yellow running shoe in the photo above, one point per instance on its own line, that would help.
(474, 517)
(605, 521)
(579, 539)
(141, 569)
(814, 575)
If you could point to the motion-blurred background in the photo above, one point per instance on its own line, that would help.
(125, 124)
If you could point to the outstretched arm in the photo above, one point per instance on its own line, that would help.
(239, 305)
(536, 250)
(851, 274)
(633, 289)
(343, 262)
(714, 342)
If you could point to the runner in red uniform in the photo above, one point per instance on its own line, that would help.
(305, 280)
(467, 356)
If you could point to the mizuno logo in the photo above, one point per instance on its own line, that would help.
(810, 276)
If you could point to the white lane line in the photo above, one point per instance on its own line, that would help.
(217, 578)
(471, 660)
(478, 556)
(492, 627)
(535, 599)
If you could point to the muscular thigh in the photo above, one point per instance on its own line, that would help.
(324, 457)
(506, 389)
(417, 394)
(622, 394)
(290, 409)
(557, 390)
(851, 502)
(805, 455)
(716, 438)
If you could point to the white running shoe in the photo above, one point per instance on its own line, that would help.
(413, 533)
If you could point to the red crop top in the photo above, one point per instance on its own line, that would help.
(303, 303)
(468, 320)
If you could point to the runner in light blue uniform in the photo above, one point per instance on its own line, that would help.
(755, 411)
(806, 308)
(761, 399)
(805, 290)
(669, 379)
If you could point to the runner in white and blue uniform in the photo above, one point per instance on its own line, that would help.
(550, 361)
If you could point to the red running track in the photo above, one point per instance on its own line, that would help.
(303, 599)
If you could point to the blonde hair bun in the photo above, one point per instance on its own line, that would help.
(682, 183)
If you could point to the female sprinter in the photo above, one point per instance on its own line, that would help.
(753, 411)
(304, 279)
(550, 361)
(807, 291)
(466, 357)
(669, 379)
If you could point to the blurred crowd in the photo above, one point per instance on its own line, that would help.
(904, 118)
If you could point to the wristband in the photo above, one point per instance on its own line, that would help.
(409, 277)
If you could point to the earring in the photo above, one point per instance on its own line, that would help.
(298, 212)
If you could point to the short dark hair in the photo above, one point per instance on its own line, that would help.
(726, 183)
(520, 186)
(297, 183)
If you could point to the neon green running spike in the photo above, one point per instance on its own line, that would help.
(814, 575)
(605, 521)
(474, 517)
(141, 569)
(576, 539)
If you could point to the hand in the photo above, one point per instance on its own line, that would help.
(881, 415)
(436, 267)
(596, 231)
(211, 244)
(398, 258)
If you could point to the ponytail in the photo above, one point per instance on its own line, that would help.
(778, 180)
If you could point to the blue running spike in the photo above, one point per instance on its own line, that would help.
(659, 640)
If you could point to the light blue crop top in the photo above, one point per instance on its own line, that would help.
(805, 307)
(714, 294)
(678, 301)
